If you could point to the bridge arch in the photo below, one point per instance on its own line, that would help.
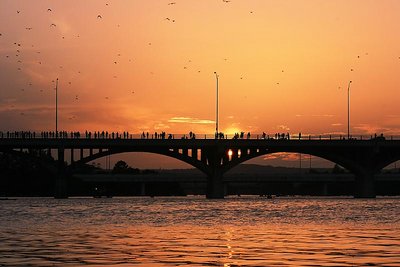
(290, 160)
(172, 154)
(387, 161)
(336, 158)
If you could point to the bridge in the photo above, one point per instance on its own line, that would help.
(214, 157)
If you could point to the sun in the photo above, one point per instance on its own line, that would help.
(231, 131)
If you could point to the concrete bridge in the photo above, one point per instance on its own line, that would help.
(214, 157)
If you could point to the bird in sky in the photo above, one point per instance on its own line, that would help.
(99, 17)
(49, 10)
(171, 3)
(18, 11)
(53, 25)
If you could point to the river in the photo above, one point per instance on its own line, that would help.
(193, 231)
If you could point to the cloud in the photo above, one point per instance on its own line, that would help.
(161, 126)
(283, 127)
(336, 124)
(323, 115)
(370, 128)
(316, 115)
(282, 156)
(190, 120)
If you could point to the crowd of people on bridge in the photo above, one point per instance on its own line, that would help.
(162, 135)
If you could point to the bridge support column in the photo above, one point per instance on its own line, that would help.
(142, 189)
(215, 186)
(324, 189)
(61, 177)
(72, 155)
(365, 185)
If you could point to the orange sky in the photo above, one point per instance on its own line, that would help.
(149, 65)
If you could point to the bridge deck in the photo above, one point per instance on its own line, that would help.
(40, 143)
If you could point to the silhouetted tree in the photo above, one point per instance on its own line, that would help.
(122, 167)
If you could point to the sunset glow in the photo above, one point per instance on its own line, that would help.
(148, 66)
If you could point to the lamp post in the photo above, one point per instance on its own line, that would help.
(57, 108)
(348, 111)
(216, 121)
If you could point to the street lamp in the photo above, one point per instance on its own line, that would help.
(216, 121)
(348, 111)
(57, 108)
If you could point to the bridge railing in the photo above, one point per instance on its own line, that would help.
(191, 135)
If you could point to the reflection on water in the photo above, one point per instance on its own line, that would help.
(199, 232)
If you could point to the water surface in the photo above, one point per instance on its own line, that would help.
(193, 231)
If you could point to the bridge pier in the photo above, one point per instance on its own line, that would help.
(365, 185)
(60, 190)
(215, 186)
(142, 189)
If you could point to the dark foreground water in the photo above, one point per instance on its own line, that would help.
(194, 231)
